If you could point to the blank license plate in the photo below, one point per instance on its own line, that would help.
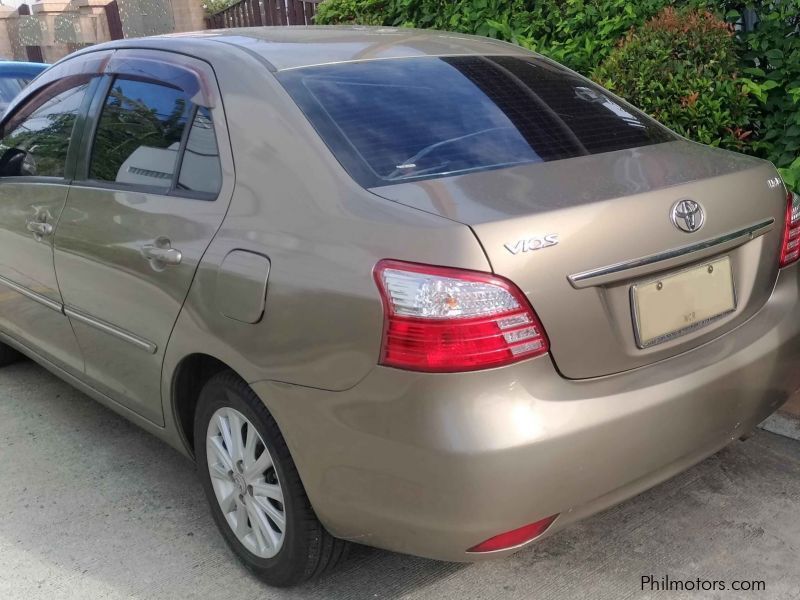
(676, 304)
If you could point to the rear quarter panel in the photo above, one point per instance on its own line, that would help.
(322, 233)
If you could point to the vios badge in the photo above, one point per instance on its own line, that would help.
(532, 243)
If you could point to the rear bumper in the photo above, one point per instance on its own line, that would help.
(432, 464)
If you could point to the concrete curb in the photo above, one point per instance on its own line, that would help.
(783, 424)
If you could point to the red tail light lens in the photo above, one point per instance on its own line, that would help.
(517, 537)
(790, 250)
(444, 320)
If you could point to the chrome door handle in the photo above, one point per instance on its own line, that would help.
(168, 256)
(161, 254)
(39, 228)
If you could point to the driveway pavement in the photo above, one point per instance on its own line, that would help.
(91, 507)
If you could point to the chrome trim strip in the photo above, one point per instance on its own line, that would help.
(611, 272)
(43, 300)
(135, 340)
(510, 52)
(121, 334)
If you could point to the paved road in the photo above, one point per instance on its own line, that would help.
(91, 507)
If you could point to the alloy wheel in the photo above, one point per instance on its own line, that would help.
(245, 482)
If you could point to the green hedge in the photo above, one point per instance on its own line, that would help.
(770, 57)
(607, 38)
(577, 33)
(681, 67)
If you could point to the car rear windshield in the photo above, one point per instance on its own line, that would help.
(396, 120)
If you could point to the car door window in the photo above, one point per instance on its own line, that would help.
(200, 169)
(144, 139)
(36, 139)
(138, 138)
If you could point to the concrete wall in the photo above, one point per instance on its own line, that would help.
(59, 27)
(188, 15)
(6, 49)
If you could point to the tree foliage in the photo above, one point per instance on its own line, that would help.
(577, 33)
(770, 59)
(681, 67)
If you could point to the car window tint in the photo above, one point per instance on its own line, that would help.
(38, 136)
(200, 169)
(394, 120)
(139, 134)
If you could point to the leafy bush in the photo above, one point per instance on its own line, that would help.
(578, 33)
(214, 6)
(361, 12)
(771, 57)
(681, 67)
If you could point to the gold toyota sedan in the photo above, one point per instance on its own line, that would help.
(427, 292)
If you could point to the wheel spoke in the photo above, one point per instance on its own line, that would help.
(228, 503)
(250, 446)
(273, 535)
(263, 463)
(257, 523)
(223, 457)
(218, 471)
(273, 513)
(235, 423)
(268, 490)
(225, 431)
(241, 521)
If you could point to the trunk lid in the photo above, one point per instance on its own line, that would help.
(609, 215)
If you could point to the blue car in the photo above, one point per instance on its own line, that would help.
(14, 76)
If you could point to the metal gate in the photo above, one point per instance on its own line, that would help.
(114, 21)
(253, 13)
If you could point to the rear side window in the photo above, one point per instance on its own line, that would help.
(394, 120)
(139, 134)
(151, 135)
(200, 169)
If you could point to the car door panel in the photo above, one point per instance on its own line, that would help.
(133, 232)
(123, 307)
(30, 303)
(33, 191)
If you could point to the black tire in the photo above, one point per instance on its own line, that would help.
(8, 355)
(308, 550)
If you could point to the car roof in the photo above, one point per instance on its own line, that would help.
(13, 68)
(302, 46)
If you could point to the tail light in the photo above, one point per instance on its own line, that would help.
(444, 320)
(514, 538)
(790, 250)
